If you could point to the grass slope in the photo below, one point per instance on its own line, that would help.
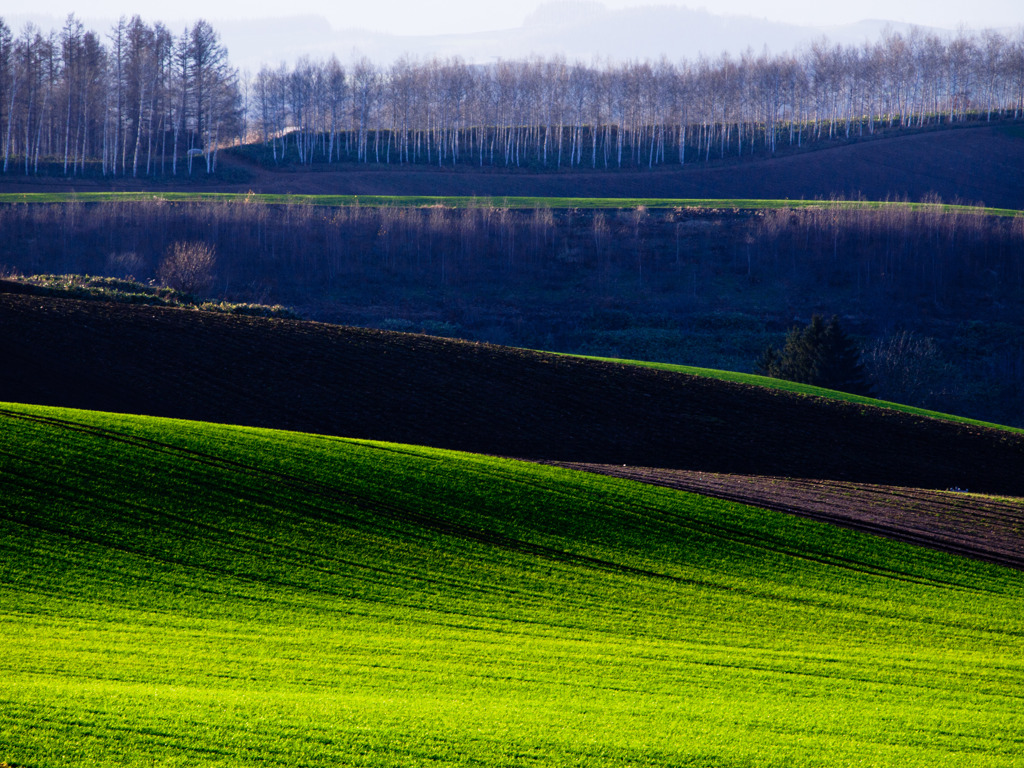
(180, 593)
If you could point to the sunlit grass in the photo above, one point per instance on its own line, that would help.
(174, 592)
(512, 202)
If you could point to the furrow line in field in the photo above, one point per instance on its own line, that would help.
(376, 505)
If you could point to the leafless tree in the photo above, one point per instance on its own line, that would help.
(906, 367)
(188, 266)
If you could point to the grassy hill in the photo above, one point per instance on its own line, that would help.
(174, 592)
(443, 393)
(797, 387)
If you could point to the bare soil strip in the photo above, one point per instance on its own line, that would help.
(982, 527)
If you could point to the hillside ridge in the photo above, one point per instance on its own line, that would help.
(189, 592)
(406, 388)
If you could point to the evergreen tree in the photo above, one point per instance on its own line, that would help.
(821, 354)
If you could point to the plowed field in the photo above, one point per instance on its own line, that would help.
(982, 527)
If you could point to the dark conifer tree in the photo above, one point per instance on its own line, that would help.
(820, 354)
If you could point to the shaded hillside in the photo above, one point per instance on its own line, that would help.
(979, 164)
(485, 399)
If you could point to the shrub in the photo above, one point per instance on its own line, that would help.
(251, 310)
(188, 266)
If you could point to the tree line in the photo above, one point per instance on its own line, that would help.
(820, 354)
(556, 113)
(142, 101)
(877, 256)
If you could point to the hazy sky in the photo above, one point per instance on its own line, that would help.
(420, 17)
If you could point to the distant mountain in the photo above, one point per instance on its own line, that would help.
(577, 29)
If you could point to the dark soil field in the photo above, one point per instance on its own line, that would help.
(986, 528)
(974, 164)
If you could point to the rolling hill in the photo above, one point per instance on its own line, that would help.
(176, 592)
(232, 540)
(421, 390)
(976, 164)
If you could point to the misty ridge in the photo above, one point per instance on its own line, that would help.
(588, 31)
(577, 29)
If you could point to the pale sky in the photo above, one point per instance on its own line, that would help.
(420, 17)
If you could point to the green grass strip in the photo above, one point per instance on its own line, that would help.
(520, 203)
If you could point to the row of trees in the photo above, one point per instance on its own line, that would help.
(707, 288)
(141, 101)
(930, 251)
(555, 113)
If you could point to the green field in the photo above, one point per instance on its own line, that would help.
(424, 201)
(176, 593)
